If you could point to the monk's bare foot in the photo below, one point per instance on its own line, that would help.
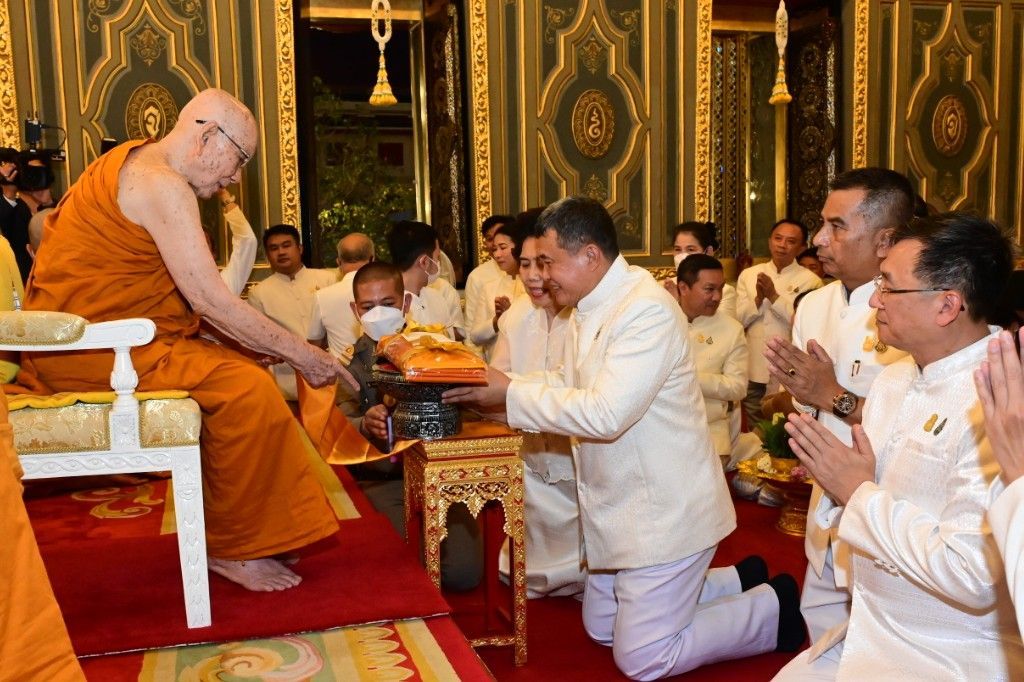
(288, 558)
(258, 575)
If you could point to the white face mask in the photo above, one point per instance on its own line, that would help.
(381, 321)
(679, 258)
(432, 277)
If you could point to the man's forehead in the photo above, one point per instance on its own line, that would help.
(376, 289)
(281, 239)
(902, 258)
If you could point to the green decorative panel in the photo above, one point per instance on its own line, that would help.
(981, 28)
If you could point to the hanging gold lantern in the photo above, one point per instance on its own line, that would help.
(780, 94)
(380, 10)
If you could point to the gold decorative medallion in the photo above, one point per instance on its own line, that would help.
(595, 189)
(593, 124)
(151, 112)
(949, 125)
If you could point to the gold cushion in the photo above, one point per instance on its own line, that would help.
(85, 427)
(39, 327)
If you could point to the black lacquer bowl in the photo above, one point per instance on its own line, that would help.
(419, 414)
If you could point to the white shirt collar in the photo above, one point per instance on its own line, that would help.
(968, 356)
(615, 275)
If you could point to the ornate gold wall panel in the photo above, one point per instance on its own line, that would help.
(596, 97)
(124, 68)
(9, 136)
(945, 98)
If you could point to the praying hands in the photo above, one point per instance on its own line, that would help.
(810, 377)
(1000, 384)
(837, 468)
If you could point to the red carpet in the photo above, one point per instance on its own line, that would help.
(125, 594)
(559, 649)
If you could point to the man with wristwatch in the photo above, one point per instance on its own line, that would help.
(828, 368)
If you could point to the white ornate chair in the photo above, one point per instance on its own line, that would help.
(61, 435)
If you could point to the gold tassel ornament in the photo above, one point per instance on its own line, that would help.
(380, 10)
(780, 94)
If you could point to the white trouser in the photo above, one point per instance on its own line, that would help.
(657, 626)
(823, 605)
(552, 539)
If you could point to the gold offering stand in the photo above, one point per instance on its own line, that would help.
(478, 465)
(795, 493)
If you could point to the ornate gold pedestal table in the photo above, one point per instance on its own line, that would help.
(796, 494)
(480, 465)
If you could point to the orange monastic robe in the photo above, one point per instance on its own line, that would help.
(34, 643)
(260, 494)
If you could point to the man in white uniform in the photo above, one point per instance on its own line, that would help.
(910, 496)
(287, 295)
(653, 499)
(1000, 382)
(415, 250)
(331, 318)
(717, 342)
(243, 245)
(834, 357)
(764, 303)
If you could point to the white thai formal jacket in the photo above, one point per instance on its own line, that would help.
(480, 318)
(771, 319)
(719, 350)
(527, 347)
(844, 325)
(929, 600)
(289, 302)
(332, 316)
(1006, 516)
(651, 490)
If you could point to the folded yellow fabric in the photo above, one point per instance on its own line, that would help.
(426, 359)
(40, 402)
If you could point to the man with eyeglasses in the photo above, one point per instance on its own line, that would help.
(134, 211)
(909, 496)
(834, 357)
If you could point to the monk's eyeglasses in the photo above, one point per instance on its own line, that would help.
(246, 156)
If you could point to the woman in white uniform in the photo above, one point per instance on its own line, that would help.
(498, 293)
(532, 340)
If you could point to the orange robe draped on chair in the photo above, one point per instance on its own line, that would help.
(34, 643)
(259, 492)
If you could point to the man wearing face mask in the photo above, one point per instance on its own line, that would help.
(416, 250)
(380, 305)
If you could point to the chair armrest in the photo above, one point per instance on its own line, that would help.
(31, 330)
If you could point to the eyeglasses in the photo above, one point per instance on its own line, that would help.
(884, 290)
(246, 156)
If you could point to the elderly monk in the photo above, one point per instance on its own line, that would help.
(126, 241)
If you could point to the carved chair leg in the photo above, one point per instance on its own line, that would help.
(186, 480)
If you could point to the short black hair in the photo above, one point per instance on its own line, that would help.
(792, 221)
(376, 271)
(281, 228)
(966, 253)
(706, 234)
(578, 221)
(513, 231)
(497, 219)
(408, 240)
(808, 253)
(889, 201)
(526, 224)
(689, 270)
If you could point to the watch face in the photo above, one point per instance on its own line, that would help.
(844, 404)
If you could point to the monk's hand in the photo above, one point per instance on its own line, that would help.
(1000, 384)
(839, 469)
(810, 377)
(375, 422)
(322, 369)
(481, 397)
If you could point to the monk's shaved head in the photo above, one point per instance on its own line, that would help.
(215, 136)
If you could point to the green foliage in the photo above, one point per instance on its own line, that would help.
(774, 438)
(356, 192)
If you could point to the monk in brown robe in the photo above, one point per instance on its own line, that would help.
(126, 241)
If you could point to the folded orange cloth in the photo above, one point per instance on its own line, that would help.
(423, 358)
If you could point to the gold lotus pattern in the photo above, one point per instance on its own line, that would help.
(139, 500)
